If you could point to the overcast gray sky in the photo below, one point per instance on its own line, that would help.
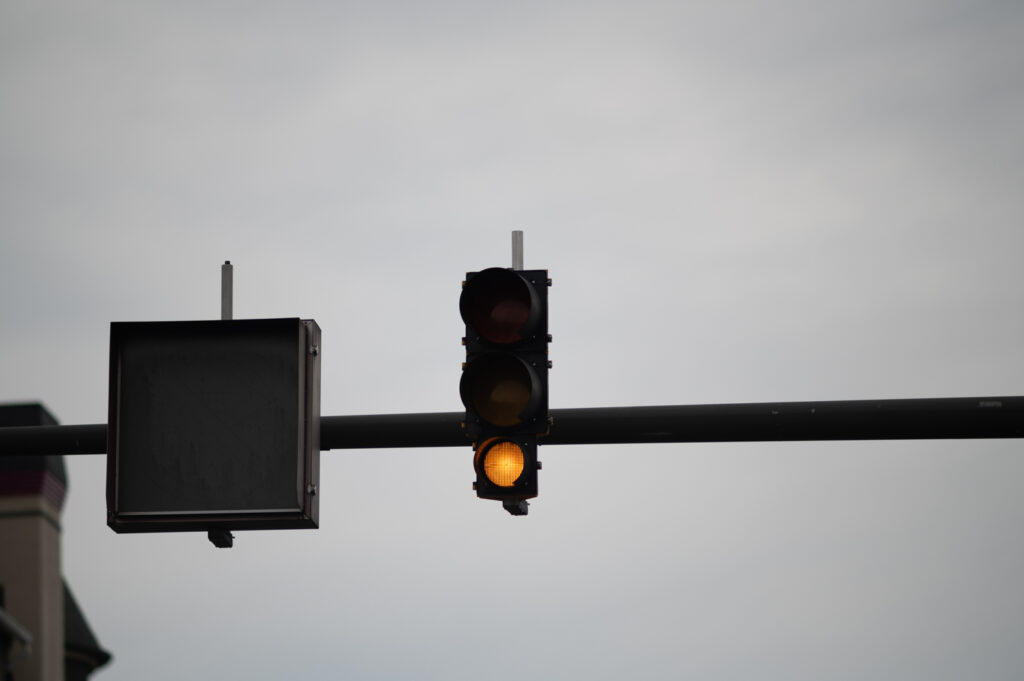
(736, 201)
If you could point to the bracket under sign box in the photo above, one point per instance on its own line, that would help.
(213, 425)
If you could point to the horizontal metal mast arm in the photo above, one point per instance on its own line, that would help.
(51, 440)
(438, 429)
(914, 419)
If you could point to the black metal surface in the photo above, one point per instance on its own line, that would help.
(506, 316)
(213, 425)
(80, 439)
(436, 429)
(913, 419)
(222, 539)
(521, 507)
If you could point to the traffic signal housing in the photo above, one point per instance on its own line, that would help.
(506, 469)
(504, 384)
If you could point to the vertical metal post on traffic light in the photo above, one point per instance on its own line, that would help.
(504, 382)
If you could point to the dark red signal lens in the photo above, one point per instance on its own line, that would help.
(500, 305)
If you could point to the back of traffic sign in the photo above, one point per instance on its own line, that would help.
(213, 425)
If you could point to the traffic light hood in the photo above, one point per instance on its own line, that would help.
(502, 306)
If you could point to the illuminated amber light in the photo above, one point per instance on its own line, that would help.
(503, 463)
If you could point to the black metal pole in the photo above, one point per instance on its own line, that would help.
(914, 419)
(52, 440)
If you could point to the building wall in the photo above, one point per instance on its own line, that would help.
(31, 576)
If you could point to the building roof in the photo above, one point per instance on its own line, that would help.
(21, 474)
(30, 414)
(78, 637)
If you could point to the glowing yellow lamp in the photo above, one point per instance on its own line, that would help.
(503, 463)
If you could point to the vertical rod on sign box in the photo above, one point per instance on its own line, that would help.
(226, 292)
(223, 539)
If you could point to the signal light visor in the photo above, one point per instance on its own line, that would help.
(501, 306)
(500, 388)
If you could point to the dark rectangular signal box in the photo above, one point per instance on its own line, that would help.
(493, 302)
(213, 425)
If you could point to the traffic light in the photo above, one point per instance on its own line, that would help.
(504, 382)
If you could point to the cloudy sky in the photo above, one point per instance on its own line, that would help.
(736, 202)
